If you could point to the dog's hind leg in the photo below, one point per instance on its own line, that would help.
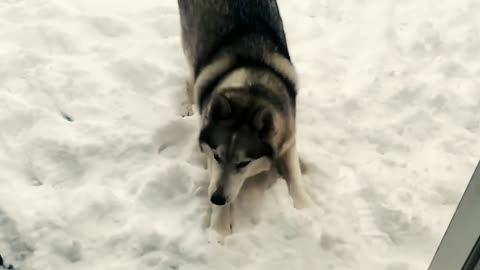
(221, 219)
(186, 106)
(289, 168)
(188, 102)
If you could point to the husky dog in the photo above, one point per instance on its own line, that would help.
(243, 85)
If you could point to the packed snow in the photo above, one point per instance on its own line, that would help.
(98, 170)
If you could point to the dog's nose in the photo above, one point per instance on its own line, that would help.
(218, 198)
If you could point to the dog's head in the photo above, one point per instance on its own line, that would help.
(237, 135)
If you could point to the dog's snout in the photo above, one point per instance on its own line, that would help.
(218, 197)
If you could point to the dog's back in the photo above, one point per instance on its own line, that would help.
(243, 28)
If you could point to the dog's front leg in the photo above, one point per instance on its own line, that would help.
(289, 167)
(221, 219)
(186, 106)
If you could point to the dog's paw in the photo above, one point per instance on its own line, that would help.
(223, 230)
(186, 109)
(218, 235)
(302, 201)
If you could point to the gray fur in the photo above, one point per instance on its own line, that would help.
(243, 27)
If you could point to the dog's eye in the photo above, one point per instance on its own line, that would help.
(217, 157)
(243, 164)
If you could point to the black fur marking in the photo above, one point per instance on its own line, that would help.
(242, 164)
(204, 138)
(269, 150)
(217, 158)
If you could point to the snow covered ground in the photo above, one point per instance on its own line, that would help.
(98, 171)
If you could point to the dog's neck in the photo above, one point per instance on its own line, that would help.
(237, 78)
(246, 76)
(207, 80)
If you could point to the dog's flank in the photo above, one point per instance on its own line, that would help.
(244, 87)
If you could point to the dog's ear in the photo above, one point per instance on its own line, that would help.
(221, 109)
(263, 122)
